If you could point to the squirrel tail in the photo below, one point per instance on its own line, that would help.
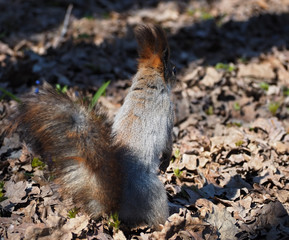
(78, 144)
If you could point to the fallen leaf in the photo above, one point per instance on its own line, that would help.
(211, 78)
(254, 70)
(224, 222)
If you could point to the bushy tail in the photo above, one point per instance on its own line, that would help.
(77, 143)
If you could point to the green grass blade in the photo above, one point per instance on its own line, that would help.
(97, 95)
(12, 96)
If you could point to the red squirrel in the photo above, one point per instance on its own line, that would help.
(109, 167)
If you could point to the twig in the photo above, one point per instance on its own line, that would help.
(64, 27)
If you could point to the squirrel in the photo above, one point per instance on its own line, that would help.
(107, 167)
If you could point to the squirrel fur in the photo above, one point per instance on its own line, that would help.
(109, 167)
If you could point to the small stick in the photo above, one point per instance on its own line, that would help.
(64, 27)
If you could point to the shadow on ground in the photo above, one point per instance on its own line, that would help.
(81, 62)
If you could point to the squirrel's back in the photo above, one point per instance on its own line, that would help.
(145, 121)
(144, 125)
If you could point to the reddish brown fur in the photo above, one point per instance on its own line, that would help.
(152, 44)
(44, 118)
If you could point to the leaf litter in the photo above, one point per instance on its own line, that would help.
(228, 178)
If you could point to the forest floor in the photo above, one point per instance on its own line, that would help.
(229, 176)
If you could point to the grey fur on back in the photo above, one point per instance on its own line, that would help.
(144, 125)
(144, 122)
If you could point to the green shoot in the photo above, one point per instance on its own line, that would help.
(64, 89)
(264, 86)
(286, 91)
(61, 89)
(72, 213)
(83, 36)
(237, 106)
(28, 175)
(114, 221)
(178, 172)
(177, 153)
(191, 12)
(51, 178)
(239, 143)
(243, 60)
(97, 95)
(2, 197)
(273, 107)
(12, 96)
(36, 162)
(89, 17)
(225, 66)
(220, 20)
(206, 16)
(232, 124)
(58, 87)
(210, 111)
(251, 129)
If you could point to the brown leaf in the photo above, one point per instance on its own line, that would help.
(224, 222)
(256, 163)
(52, 218)
(231, 136)
(272, 126)
(119, 235)
(188, 196)
(182, 110)
(76, 225)
(266, 217)
(35, 231)
(282, 195)
(258, 71)
(269, 175)
(205, 206)
(281, 147)
(184, 225)
(190, 161)
(283, 76)
(29, 212)
(15, 192)
(211, 78)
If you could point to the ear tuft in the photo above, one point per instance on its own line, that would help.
(153, 46)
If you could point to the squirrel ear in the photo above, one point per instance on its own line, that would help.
(146, 41)
(153, 46)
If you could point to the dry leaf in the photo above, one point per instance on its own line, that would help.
(224, 222)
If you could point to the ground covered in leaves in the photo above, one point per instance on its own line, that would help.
(228, 178)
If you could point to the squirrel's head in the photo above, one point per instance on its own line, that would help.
(154, 52)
